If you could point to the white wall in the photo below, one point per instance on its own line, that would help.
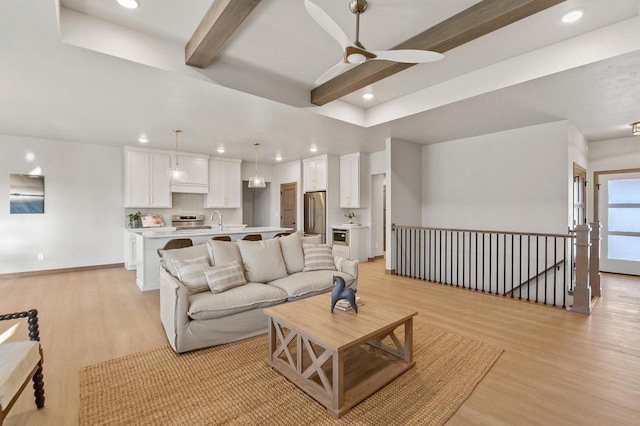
(616, 154)
(578, 152)
(509, 181)
(83, 219)
(404, 188)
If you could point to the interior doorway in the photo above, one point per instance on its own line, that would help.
(617, 207)
(256, 205)
(289, 205)
(579, 195)
(378, 215)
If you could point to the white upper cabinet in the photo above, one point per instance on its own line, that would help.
(315, 174)
(225, 184)
(197, 168)
(146, 182)
(350, 174)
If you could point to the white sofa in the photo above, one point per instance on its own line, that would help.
(205, 302)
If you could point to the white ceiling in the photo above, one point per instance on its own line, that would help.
(105, 75)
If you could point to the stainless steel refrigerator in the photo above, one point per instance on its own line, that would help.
(315, 212)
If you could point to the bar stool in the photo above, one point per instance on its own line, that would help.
(176, 243)
(222, 238)
(252, 237)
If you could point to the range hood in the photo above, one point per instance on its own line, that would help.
(189, 188)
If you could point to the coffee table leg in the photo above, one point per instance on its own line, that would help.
(408, 340)
(338, 382)
(272, 339)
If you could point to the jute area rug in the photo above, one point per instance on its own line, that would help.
(231, 384)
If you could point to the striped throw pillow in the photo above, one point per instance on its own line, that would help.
(224, 277)
(191, 273)
(317, 257)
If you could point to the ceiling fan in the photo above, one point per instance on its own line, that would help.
(354, 52)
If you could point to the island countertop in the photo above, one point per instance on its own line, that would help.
(231, 230)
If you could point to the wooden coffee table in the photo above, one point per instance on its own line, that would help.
(340, 359)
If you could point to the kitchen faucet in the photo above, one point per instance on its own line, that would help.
(219, 217)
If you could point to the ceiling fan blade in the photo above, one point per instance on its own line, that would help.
(408, 56)
(327, 24)
(334, 71)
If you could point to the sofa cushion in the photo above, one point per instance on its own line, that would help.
(224, 277)
(169, 256)
(292, 252)
(191, 273)
(224, 252)
(317, 257)
(262, 260)
(305, 284)
(207, 305)
(311, 239)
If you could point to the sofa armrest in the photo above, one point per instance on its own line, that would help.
(174, 304)
(348, 267)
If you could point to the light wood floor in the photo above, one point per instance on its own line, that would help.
(558, 368)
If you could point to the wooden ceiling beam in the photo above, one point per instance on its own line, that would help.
(218, 25)
(470, 24)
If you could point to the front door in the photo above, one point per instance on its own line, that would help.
(619, 213)
(288, 205)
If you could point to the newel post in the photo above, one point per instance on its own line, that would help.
(594, 265)
(582, 290)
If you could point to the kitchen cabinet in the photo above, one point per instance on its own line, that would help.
(146, 182)
(129, 249)
(225, 184)
(350, 181)
(197, 168)
(357, 242)
(315, 174)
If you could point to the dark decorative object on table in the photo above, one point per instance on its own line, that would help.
(340, 292)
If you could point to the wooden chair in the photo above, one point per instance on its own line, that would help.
(252, 237)
(222, 238)
(22, 356)
(282, 234)
(176, 243)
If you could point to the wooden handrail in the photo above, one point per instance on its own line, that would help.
(534, 234)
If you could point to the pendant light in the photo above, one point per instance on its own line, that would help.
(176, 173)
(257, 181)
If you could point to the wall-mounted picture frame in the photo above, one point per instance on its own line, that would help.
(26, 194)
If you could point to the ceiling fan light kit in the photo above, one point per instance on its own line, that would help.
(354, 52)
(635, 129)
(129, 4)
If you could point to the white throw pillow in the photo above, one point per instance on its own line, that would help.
(170, 256)
(224, 277)
(317, 257)
(191, 274)
(311, 239)
(292, 252)
(262, 260)
(224, 252)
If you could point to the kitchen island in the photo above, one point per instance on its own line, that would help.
(149, 241)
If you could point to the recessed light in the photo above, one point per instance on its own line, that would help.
(143, 139)
(367, 96)
(221, 150)
(572, 16)
(313, 148)
(30, 156)
(278, 157)
(129, 4)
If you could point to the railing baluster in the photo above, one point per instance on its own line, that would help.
(490, 258)
(504, 264)
(546, 273)
(483, 261)
(537, 265)
(528, 266)
(476, 261)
